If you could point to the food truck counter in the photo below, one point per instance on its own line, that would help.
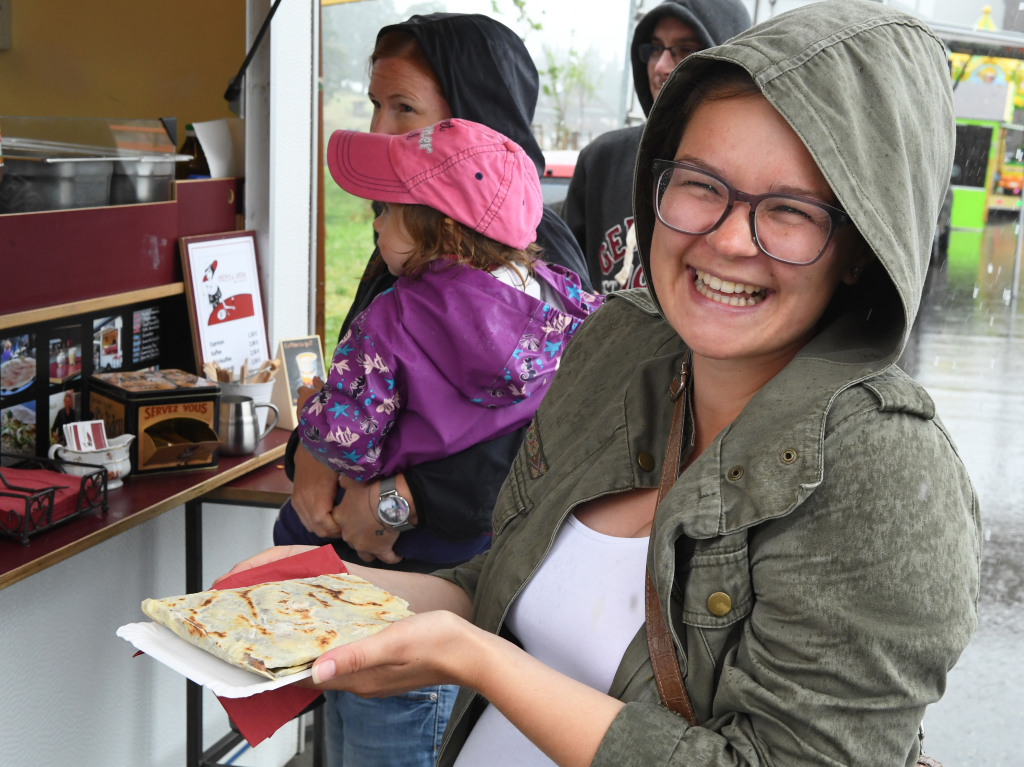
(142, 499)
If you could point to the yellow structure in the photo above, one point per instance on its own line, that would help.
(989, 69)
(122, 58)
(985, 23)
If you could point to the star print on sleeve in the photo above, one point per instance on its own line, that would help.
(357, 407)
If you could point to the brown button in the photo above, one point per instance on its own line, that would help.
(735, 473)
(646, 461)
(719, 603)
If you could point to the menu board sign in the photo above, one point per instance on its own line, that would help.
(225, 301)
(145, 335)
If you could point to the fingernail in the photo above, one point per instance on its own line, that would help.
(324, 671)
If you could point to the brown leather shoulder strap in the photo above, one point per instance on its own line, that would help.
(667, 675)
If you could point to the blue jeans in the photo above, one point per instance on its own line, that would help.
(401, 731)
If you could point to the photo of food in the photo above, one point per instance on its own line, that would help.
(106, 344)
(65, 355)
(18, 429)
(17, 364)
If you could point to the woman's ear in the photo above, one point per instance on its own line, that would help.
(862, 257)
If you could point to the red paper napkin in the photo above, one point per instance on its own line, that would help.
(260, 716)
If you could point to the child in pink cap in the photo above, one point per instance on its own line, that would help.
(464, 346)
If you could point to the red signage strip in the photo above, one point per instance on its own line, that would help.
(58, 257)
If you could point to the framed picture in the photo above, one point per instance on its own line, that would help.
(17, 364)
(225, 300)
(18, 429)
(65, 354)
(107, 345)
(302, 360)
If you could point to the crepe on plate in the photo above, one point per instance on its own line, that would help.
(278, 629)
(17, 372)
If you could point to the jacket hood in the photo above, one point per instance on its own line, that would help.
(486, 73)
(714, 21)
(868, 91)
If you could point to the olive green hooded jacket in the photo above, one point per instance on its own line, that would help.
(834, 511)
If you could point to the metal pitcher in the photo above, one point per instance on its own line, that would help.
(239, 427)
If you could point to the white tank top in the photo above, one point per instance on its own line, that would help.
(576, 615)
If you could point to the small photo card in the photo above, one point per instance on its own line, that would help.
(302, 360)
(86, 436)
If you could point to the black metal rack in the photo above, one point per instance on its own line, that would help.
(38, 515)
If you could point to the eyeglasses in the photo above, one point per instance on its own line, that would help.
(791, 229)
(677, 52)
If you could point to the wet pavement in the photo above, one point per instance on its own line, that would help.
(967, 349)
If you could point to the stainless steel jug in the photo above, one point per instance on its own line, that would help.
(239, 427)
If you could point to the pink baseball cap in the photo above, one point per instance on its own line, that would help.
(465, 170)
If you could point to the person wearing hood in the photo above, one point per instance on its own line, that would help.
(798, 593)
(599, 202)
(423, 71)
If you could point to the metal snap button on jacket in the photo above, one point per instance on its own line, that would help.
(719, 604)
(646, 461)
(735, 473)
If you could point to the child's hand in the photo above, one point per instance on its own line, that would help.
(305, 392)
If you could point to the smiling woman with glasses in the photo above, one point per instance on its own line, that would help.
(737, 533)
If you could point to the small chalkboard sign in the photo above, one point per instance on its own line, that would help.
(302, 360)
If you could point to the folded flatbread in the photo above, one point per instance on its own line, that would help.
(277, 629)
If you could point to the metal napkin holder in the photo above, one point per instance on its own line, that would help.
(38, 514)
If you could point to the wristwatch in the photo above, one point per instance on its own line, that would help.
(393, 509)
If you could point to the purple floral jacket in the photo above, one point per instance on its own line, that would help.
(436, 365)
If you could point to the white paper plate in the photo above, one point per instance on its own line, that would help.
(223, 679)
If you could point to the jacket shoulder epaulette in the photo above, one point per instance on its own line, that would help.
(899, 393)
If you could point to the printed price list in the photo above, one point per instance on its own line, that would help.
(146, 335)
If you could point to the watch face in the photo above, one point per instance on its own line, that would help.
(394, 510)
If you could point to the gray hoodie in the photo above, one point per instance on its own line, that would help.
(599, 203)
(834, 511)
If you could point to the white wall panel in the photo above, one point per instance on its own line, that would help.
(72, 693)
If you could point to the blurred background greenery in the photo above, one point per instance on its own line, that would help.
(349, 243)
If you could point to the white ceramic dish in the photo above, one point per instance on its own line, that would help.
(115, 459)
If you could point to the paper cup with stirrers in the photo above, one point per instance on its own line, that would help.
(259, 385)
